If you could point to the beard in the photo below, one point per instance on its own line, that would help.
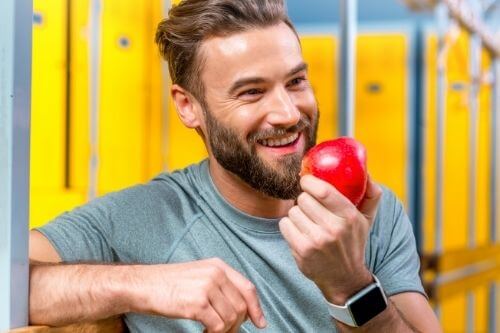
(241, 159)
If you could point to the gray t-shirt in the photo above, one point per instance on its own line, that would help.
(182, 217)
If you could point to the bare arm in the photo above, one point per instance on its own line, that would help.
(64, 294)
(208, 291)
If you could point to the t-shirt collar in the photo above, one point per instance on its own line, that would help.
(232, 213)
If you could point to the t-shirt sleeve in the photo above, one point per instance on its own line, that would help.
(82, 235)
(397, 264)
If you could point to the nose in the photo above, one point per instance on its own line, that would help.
(282, 110)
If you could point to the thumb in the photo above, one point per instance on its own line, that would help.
(368, 207)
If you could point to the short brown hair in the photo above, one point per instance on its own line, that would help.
(180, 36)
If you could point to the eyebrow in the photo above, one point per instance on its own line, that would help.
(256, 80)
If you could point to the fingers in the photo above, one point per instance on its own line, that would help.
(315, 211)
(210, 319)
(247, 292)
(236, 326)
(326, 194)
(225, 308)
(335, 202)
(304, 223)
(208, 291)
(232, 298)
(238, 305)
(369, 205)
(293, 236)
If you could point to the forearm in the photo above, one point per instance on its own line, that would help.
(63, 294)
(390, 320)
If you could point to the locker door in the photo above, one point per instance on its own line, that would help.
(48, 167)
(129, 120)
(456, 188)
(49, 95)
(320, 52)
(382, 106)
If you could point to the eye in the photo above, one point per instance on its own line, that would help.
(251, 92)
(251, 95)
(298, 81)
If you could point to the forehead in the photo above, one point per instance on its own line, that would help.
(265, 52)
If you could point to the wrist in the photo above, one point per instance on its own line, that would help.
(362, 306)
(125, 292)
(339, 294)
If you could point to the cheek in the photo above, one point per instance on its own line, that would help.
(245, 121)
(305, 102)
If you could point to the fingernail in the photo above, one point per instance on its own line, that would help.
(262, 322)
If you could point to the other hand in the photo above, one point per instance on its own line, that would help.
(208, 291)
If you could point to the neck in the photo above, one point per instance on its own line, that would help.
(245, 198)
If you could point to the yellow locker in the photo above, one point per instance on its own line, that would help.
(124, 91)
(79, 140)
(457, 149)
(320, 52)
(453, 310)
(453, 314)
(484, 157)
(456, 143)
(48, 195)
(456, 173)
(382, 106)
(130, 111)
(129, 121)
(48, 111)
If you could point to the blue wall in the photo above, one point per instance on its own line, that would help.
(327, 11)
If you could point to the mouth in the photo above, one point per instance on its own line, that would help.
(281, 142)
(282, 146)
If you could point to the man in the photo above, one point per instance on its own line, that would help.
(239, 236)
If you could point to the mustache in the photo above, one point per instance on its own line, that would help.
(303, 123)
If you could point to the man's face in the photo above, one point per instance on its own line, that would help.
(260, 112)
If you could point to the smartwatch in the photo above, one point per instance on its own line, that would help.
(362, 306)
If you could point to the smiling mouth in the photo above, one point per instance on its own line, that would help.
(280, 142)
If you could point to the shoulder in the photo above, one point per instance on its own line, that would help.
(170, 193)
(390, 210)
(392, 254)
(392, 225)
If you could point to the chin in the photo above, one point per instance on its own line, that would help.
(279, 162)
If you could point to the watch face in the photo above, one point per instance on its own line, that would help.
(368, 306)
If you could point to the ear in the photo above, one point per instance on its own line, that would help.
(186, 106)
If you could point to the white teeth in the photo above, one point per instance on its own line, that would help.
(279, 142)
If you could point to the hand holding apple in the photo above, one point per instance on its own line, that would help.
(327, 233)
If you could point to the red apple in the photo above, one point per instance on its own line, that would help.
(340, 162)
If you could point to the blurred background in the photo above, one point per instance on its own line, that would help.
(426, 103)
